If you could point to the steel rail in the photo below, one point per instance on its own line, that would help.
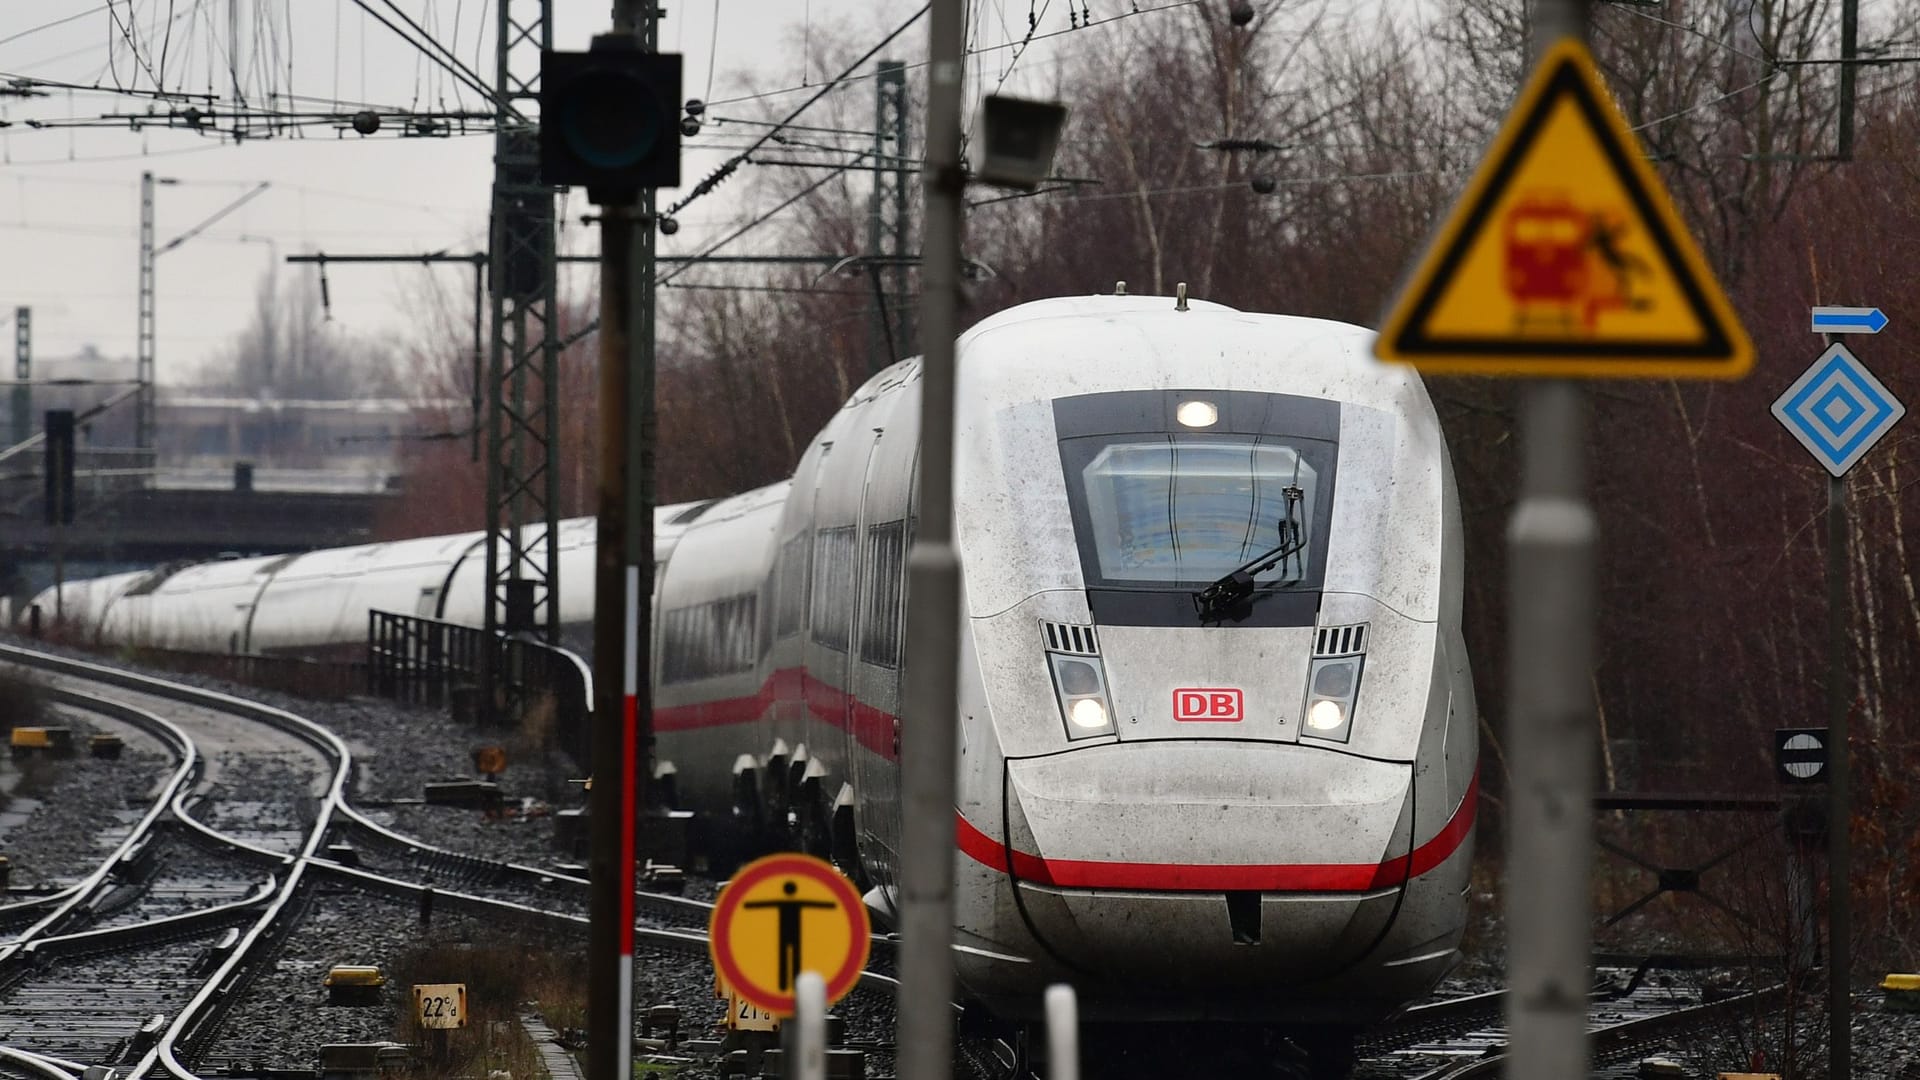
(52, 1068)
(332, 749)
(166, 927)
(1612, 1039)
(91, 885)
(309, 864)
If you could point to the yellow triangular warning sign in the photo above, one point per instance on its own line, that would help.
(1564, 256)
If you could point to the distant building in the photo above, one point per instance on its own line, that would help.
(360, 439)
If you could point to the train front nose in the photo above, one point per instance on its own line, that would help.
(1221, 874)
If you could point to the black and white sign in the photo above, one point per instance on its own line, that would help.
(1800, 755)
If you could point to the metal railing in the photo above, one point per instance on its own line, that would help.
(426, 661)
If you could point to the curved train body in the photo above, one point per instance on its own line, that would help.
(1255, 810)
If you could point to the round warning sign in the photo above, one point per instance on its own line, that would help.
(783, 915)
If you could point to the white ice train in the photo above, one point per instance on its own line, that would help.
(1218, 746)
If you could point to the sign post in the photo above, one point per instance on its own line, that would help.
(1563, 257)
(1838, 411)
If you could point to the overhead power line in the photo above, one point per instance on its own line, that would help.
(56, 22)
(443, 58)
(715, 178)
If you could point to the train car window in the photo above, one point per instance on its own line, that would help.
(674, 645)
(708, 640)
(735, 625)
(833, 587)
(880, 621)
(790, 585)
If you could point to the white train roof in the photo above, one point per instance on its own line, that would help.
(1390, 520)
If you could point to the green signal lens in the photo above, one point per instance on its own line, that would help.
(611, 120)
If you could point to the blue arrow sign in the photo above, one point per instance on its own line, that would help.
(1848, 320)
(1838, 410)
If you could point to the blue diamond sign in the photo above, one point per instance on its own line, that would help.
(1838, 410)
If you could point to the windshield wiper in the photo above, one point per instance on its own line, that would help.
(1232, 592)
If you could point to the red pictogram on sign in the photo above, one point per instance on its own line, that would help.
(1218, 704)
(1565, 264)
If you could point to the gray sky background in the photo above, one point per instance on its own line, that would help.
(69, 198)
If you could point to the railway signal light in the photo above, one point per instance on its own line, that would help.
(59, 467)
(609, 119)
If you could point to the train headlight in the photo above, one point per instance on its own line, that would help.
(1089, 714)
(1197, 414)
(1332, 685)
(1081, 686)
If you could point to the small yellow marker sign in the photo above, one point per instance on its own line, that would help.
(783, 915)
(1565, 256)
(744, 1015)
(440, 1005)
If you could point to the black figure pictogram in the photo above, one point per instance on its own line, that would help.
(790, 911)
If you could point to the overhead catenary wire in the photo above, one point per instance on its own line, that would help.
(761, 219)
(452, 62)
(61, 21)
(715, 178)
(917, 64)
(456, 67)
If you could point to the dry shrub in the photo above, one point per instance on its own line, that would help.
(538, 718)
(502, 982)
(23, 701)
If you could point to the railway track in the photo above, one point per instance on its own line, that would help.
(225, 945)
(185, 946)
(1467, 1036)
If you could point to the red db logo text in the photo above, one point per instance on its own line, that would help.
(1218, 704)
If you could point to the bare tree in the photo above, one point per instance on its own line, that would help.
(291, 350)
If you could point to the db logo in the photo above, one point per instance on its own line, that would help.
(1208, 703)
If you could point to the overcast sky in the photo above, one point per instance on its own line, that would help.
(69, 198)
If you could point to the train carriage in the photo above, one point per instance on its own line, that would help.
(1218, 750)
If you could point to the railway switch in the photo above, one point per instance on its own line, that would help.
(354, 984)
(52, 741)
(472, 793)
(1902, 992)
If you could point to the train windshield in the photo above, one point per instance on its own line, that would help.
(1172, 489)
(1180, 510)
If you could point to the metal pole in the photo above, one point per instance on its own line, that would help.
(925, 1032)
(1550, 597)
(1849, 31)
(623, 576)
(808, 1060)
(1840, 803)
(610, 931)
(1063, 1033)
(1550, 841)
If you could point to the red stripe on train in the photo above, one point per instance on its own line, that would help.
(872, 728)
(1220, 877)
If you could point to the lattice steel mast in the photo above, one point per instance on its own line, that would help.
(889, 325)
(143, 347)
(522, 384)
